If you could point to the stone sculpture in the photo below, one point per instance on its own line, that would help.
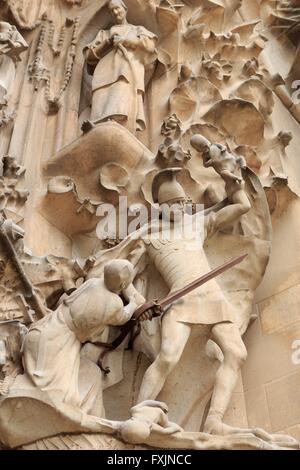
(218, 315)
(119, 56)
(213, 88)
(80, 318)
(146, 417)
(227, 165)
(12, 44)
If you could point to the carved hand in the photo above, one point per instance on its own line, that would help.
(131, 43)
(151, 313)
(172, 428)
(117, 39)
(148, 315)
(234, 177)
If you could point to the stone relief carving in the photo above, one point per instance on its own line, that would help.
(195, 79)
(119, 56)
(40, 74)
(171, 149)
(12, 44)
(23, 13)
(64, 331)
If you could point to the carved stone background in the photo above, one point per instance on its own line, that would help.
(225, 69)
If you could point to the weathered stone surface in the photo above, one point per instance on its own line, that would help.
(152, 103)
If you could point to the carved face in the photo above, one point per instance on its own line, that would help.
(118, 12)
(174, 210)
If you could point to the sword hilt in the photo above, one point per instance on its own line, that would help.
(151, 305)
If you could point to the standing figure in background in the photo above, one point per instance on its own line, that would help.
(118, 58)
(12, 44)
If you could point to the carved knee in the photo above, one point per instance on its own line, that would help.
(235, 355)
(246, 206)
(166, 363)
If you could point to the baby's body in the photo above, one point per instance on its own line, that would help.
(226, 164)
(147, 417)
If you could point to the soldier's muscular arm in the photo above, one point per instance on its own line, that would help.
(137, 258)
(133, 296)
(227, 216)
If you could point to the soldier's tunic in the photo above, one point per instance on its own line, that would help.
(182, 261)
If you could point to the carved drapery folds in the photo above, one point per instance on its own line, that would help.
(23, 13)
(12, 44)
(118, 58)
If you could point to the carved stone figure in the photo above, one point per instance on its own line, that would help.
(211, 178)
(171, 149)
(179, 262)
(12, 44)
(119, 57)
(147, 417)
(227, 165)
(57, 339)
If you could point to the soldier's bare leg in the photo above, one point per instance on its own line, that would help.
(228, 338)
(174, 336)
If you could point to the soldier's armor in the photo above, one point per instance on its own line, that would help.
(180, 262)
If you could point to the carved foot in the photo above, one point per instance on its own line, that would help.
(215, 426)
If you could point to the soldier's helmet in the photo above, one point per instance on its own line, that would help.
(166, 188)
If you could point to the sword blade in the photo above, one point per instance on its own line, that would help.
(200, 281)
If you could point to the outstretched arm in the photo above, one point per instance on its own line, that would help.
(230, 214)
(133, 296)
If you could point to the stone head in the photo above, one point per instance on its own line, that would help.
(118, 275)
(169, 193)
(118, 11)
(135, 431)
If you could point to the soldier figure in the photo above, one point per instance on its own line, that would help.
(181, 261)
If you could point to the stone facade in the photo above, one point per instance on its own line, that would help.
(195, 102)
